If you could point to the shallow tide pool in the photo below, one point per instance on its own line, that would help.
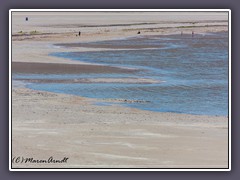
(191, 73)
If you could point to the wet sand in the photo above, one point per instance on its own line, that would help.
(93, 80)
(107, 46)
(48, 124)
(57, 68)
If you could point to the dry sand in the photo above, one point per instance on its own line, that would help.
(47, 124)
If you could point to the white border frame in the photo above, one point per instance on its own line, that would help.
(126, 10)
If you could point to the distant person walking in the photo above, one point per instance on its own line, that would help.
(26, 19)
(79, 33)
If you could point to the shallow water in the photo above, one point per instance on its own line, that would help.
(193, 73)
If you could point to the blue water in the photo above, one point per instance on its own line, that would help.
(193, 71)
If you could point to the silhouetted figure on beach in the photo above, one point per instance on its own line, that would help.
(139, 32)
(192, 33)
(79, 34)
(26, 19)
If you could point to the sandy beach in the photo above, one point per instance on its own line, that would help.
(46, 124)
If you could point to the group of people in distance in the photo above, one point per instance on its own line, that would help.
(79, 33)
